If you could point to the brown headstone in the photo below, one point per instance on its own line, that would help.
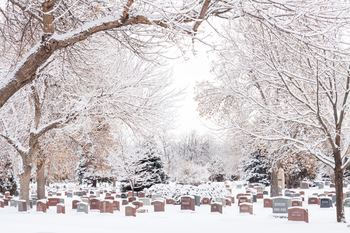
(6, 201)
(170, 201)
(216, 207)
(53, 201)
(130, 194)
(159, 205)
(106, 206)
(137, 204)
(41, 205)
(313, 201)
(61, 208)
(109, 198)
(251, 186)
(130, 211)
(205, 201)
(131, 199)
(74, 204)
(298, 214)
(7, 194)
(2, 203)
(259, 196)
(116, 205)
(297, 203)
(228, 201)
(243, 199)
(246, 208)
(108, 194)
(187, 203)
(125, 202)
(94, 204)
(142, 194)
(232, 198)
(268, 203)
(59, 194)
(332, 185)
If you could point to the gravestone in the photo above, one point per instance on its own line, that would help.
(239, 186)
(228, 202)
(145, 201)
(313, 200)
(142, 210)
(80, 193)
(106, 206)
(347, 194)
(260, 189)
(142, 194)
(244, 199)
(232, 198)
(94, 204)
(334, 198)
(302, 192)
(75, 204)
(109, 195)
(130, 211)
(118, 196)
(116, 205)
(197, 200)
(347, 202)
(260, 196)
(61, 209)
(41, 205)
(137, 204)
(221, 200)
(296, 194)
(297, 202)
(156, 196)
(124, 195)
(326, 202)
(320, 186)
(53, 201)
(7, 194)
(131, 199)
(2, 203)
(246, 208)
(281, 204)
(265, 192)
(170, 201)
(327, 183)
(298, 214)
(13, 203)
(83, 207)
(187, 203)
(205, 201)
(159, 205)
(254, 198)
(111, 198)
(70, 195)
(268, 202)
(216, 207)
(22, 206)
(130, 194)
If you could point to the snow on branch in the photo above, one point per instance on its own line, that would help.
(16, 144)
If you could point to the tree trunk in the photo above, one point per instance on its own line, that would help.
(114, 182)
(25, 181)
(274, 183)
(339, 194)
(41, 181)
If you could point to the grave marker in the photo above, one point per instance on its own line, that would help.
(347, 202)
(268, 203)
(53, 201)
(298, 214)
(130, 211)
(187, 203)
(41, 205)
(116, 205)
(159, 205)
(106, 206)
(313, 200)
(205, 201)
(281, 204)
(94, 204)
(61, 208)
(22, 206)
(145, 201)
(83, 207)
(246, 208)
(325, 202)
(216, 207)
(75, 204)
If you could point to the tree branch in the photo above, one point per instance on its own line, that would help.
(23, 8)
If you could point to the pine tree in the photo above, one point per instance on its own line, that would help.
(256, 169)
(7, 179)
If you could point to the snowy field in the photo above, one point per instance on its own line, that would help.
(173, 220)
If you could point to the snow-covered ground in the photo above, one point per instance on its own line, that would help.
(172, 220)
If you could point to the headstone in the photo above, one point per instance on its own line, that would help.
(13, 203)
(106, 206)
(130, 211)
(347, 194)
(297, 202)
(75, 204)
(325, 202)
(110, 198)
(159, 205)
(22, 206)
(347, 202)
(265, 192)
(70, 195)
(187, 203)
(142, 210)
(239, 186)
(116, 205)
(254, 198)
(131, 199)
(320, 186)
(313, 200)
(327, 183)
(137, 204)
(260, 189)
(302, 192)
(260, 196)
(246, 208)
(244, 199)
(268, 202)
(296, 194)
(334, 198)
(53, 201)
(124, 195)
(221, 200)
(332, 185)
(83, 207)
(281, 204)
(80, 193)
(170, 201)
(2, 203)
(61, 208)
(142, 194)
(197, 200)
(228, 202)
(156, 196)
(125, 202)
(216, 207)
(298, 214)
(205, 201)
(232, 198)
(41, 205)
(94, 204)
(145, 201)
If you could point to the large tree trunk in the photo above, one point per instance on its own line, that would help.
(25, 180)
(339, 194)
(41, 181)
(274, 183)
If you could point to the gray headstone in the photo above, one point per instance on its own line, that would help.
(254, 198)
(325, 202)
(16, 193)
(296, 194)
(197, 200)
(347, 202)
(279, 189)
(221, 200)
(69, 194)
(62, 200)
(82, 207)
(156, 196)
(239, 186)
(80, 193)
(281, 204)
(304, 185)
(13, 203)
(265, 193)
(145, 201)
(327, 183)
(348, 195)
(34, 200)
(124, 195)
(288, 195)
(317, 184)
(334, 198)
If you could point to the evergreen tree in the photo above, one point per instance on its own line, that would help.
(256, 169)
(7, 179)
(151, 169)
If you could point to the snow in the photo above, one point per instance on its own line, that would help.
(173, 220)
